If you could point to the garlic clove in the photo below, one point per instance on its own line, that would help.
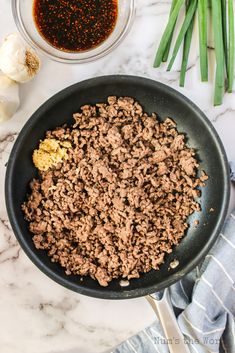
(9, 97)
(18, 61)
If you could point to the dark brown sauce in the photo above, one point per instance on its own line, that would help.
(75, 25)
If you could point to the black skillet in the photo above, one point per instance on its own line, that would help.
(155, 97)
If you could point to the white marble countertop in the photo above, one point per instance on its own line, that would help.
(37, 315)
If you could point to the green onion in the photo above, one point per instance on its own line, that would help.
(202, 24)
(166, 53)
(231, 46)
(186, 49)
(167, 33)
(188, 18)
(219, 51)
(221, 14)
(225, 38)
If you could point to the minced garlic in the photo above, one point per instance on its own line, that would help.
(50, 153)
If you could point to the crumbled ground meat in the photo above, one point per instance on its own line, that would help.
(121, 200)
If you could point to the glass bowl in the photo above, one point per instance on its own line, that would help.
(23, 16)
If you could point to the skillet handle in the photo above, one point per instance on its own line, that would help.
(174, 337)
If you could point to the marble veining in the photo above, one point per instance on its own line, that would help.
(37, 315)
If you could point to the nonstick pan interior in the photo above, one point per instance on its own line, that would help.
(155, 97)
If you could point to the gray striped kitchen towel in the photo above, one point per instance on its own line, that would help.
(204, 301)
(232, 169)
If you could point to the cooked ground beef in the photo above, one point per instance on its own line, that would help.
(120, 201)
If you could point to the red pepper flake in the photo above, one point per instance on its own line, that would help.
(75, 25)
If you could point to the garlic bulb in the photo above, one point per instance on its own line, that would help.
(17, 61)
(9, 97)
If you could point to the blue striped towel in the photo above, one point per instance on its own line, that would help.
(204, 301)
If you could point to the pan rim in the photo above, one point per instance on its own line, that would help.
(100, 293)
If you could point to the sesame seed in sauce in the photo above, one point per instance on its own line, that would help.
(75, 25)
